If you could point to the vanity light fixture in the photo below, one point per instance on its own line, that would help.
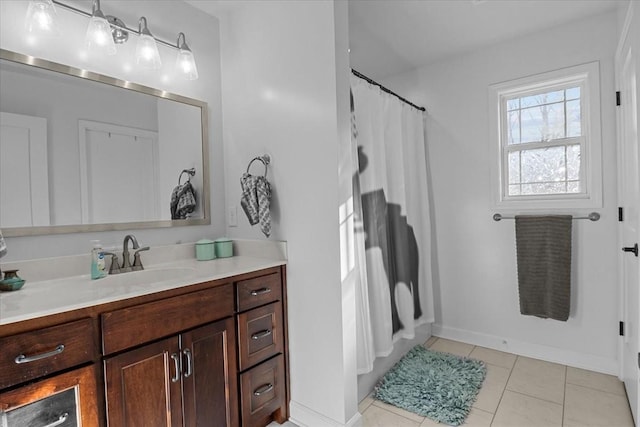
(41, 17)
(99, 38)
(147, 55)
(104, 32)
(185, 62)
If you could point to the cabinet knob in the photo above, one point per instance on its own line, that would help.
(260, 291)
(59, 421)
(189, 363)
(176, 362)
(23, 358)
(263, 389)
(261, 334)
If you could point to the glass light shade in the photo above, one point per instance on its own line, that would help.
(42, 18)
(147, 55)
(186, 64)
(99, 38)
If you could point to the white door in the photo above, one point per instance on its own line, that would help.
(131, 193)
(627, 73)
(24, 180)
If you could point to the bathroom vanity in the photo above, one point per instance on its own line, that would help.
(190, 344)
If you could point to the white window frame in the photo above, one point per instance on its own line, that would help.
(587, 76)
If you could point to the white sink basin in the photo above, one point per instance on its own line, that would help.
(147, 277)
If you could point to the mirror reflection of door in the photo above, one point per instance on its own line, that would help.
(24, 187)
(119, 170)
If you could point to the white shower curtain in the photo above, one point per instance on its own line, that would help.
(392, 232)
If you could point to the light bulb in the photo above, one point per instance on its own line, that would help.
(147, 55)
(41, 18)
(185, 61)
(99, 39)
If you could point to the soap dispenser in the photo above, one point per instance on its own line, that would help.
(98, 269)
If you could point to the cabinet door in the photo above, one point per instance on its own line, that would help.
(68, 399)
(209, 375)
(143, 386)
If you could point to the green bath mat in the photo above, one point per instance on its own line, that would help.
(431, 384)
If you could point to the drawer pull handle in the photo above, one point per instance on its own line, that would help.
(261, 334)
(260, 291)
(26, 359)
(176, 362)
(262, 390)
(59, 421)
(187, 353)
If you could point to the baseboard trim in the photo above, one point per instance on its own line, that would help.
(304, 416)
(537, 351)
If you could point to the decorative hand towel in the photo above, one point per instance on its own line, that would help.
(256, 201)
(544, 265)
(183, 201)
(3, 246)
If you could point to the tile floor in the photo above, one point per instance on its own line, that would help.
(522, 392)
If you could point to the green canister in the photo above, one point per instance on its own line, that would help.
(224, 248)
(205, 250)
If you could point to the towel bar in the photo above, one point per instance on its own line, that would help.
(593, 216)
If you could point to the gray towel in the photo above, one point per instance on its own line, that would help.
(544, 265)
(3, 246)
(256, 201)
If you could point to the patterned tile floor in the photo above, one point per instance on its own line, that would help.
(522, 392)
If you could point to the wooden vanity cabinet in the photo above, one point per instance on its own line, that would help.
(188, 378)
(185, 379)
(48, 376)
(208, 354)
(261, 343)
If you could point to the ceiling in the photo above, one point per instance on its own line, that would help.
(393, 36)
(387, 37)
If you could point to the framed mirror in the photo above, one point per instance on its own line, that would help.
(80, 151)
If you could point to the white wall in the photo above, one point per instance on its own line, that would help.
(285, 93)
(476, 284)
(165, 19)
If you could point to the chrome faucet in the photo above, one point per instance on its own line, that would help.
(126, 260)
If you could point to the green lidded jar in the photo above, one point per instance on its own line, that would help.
(205, 250)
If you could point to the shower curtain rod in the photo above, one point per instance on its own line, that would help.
(384, 89)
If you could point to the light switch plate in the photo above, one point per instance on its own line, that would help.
(232, 216)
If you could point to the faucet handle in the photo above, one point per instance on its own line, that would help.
(115, 267)
(137, 262)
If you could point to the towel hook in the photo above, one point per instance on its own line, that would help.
(265, 159)
(190, 172)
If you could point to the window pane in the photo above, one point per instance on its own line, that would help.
(573, 93)
(573, 187)
(542, 123)
(513, 127)
(542, 98)
(574, 127)
(545, 188)
(543, 165)
(513, 104)
(573, 162)
(514, 167)
(514, 190)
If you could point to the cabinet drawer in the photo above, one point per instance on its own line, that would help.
(262, 392)
(38, 353)
(59, 409)
(67, 399)
(258, 291)
(132, 326)
(260, 334)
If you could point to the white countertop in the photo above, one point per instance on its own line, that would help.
(37, 299)
(58, 295)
